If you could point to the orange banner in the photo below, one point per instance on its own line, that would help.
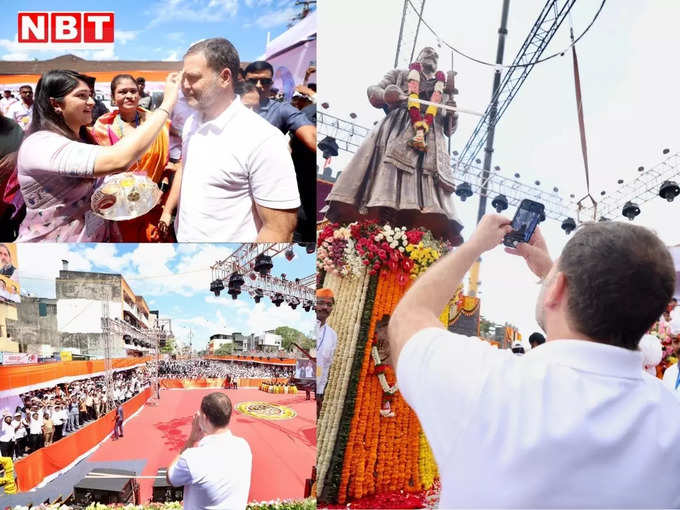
(270, 361)
(101, 76)
(30, 375)
(46, 461)
(243, 382)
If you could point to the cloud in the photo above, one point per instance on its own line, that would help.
(192, 11)
(273, 19)
(258, 3)
(175, 36)
(39, 265)
(172, 57)
(125, 36)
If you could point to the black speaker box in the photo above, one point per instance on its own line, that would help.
(163, 492)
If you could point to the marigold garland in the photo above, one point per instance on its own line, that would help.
(360, 452)
(334, 472)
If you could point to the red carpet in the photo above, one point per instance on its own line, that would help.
(284, 451)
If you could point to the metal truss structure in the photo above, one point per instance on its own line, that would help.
(115, 326)
(549, 20)
(411, 20)
(299, 291)
(642, 189)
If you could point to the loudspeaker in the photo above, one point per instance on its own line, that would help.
(106, 490)
(163, 492)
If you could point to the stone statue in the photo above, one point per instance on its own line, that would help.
(402, 174)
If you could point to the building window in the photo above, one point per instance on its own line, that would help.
(42, 309)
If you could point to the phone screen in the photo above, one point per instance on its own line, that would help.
(524, 223)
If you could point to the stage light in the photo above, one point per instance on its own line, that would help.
(289, 254)
(666, 151)
(630, 210)
(478, 161)
(603, 218)
(235, 283)
(307, 305)
(310, 248)
(325, 106)
(258, 295)
(516, 175)
(555, 189)
(217, 286)
(329, 147)
(568, 225)
(252, 276)
(537, 183)
(353, 115)
(641, 169)
(263, 264)
(620, 181)
(669, 190)
(464, 191)
(277, 299)
(500, 203)
(497, 168)
(294, 302)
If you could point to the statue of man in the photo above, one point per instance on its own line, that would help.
(402, 174)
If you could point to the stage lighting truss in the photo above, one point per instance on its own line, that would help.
(644, 188)
(295, 291)
(144, 337)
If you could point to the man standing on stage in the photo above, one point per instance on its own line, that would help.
(326, 342)
(118, 427)
(214, 466)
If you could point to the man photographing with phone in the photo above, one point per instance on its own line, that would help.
(579, 406)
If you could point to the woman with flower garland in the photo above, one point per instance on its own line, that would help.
(402, 172)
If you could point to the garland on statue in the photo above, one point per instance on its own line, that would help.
(345, 250)
(422, 126)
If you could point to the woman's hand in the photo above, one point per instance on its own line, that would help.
(171, 91)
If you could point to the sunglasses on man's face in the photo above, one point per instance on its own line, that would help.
(263, 81)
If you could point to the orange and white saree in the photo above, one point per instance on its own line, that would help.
(108, 131)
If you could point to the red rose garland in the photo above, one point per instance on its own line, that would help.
(422, 126)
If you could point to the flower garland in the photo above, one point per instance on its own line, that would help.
(332, 481)
(388, 391)
(350, 301)
(343, 250)
(422, 126)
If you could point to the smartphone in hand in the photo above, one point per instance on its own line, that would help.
(527, 217)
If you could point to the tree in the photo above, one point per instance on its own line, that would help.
(169, 346)
(290, 335)
(225, 350)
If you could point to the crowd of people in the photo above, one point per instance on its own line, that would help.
(46, 415)
(194, 369)
(56, 149)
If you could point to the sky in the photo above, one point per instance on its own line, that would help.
(162, 29)
(174, 279)
(629, 83)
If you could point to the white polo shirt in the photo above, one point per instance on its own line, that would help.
(670, 379)
(229, 164)
(571, 424)
(215, 474)
(22, 114)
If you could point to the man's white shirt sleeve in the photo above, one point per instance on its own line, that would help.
(272, 174)
(441, 376)
(179, 474)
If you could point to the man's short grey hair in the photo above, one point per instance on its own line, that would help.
(219, 53)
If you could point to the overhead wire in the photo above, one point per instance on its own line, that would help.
(502, 66)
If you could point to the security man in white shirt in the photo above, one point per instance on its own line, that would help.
(237, 181)
(326, 343)
(578, 413)
(214, 466)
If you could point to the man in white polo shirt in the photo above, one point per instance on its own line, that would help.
(578, 413)
(214, 466)
(237, 181)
